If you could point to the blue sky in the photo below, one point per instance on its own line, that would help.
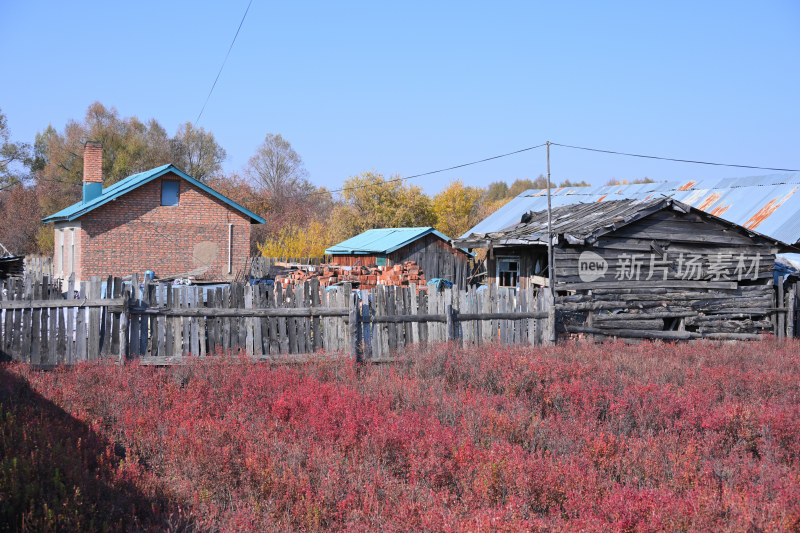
(405, 88)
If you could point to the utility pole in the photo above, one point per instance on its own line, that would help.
(550, 262)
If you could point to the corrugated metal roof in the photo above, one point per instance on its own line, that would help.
(137, 180)
(382, 241)
(768, 204)
(583, 223)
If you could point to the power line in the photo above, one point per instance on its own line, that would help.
(355, 187)
(223, 63)
(673, 159)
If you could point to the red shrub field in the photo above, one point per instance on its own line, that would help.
(579, 437)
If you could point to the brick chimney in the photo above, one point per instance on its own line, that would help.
(92, 170)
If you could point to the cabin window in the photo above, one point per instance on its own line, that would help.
(508, 271)
(169, 192)
(380, 261)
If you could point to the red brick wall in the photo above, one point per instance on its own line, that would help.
(135, 233)
(93, 162)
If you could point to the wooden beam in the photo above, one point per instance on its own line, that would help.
(647, 284)
(233, 312)
(115, 303)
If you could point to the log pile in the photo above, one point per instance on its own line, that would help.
(367, 277)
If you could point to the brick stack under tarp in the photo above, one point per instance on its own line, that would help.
(367, 277)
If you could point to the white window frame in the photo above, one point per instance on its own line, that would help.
(500, 260)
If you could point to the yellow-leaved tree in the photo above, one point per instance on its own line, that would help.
(370, 201)
(457, 208)
(299, 242)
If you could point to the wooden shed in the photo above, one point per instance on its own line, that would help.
(429, 248)
(653, 268)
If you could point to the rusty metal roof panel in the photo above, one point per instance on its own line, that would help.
(769, 205)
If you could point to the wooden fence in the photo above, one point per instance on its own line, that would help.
(39, 266)
(158, 322)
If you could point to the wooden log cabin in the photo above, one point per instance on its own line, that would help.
(652, 268)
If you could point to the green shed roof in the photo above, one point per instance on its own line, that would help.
(382, 241)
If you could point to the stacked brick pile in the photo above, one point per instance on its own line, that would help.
(366, 277)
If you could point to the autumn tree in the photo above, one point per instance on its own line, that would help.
(310, 241)
(457, 208)
(196, 152)
(568, 183)
(614, 181)
(370, 201)
(20, 216)
(497, 190)
(278, 170)
(15, 157)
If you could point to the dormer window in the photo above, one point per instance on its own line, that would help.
(170, 192)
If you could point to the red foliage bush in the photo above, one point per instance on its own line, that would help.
(575, 437)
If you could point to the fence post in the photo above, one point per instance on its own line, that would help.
(780, 308)
(450, 332)
(123, 325)
(790, 301)
(550, 336)
(355, 341)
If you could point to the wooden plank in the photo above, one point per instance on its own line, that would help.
(202, 324)
(115, 304)
(147, 324)
(389, 302)
(62, 343)
(33, 338)
(224, 303)
(169, 324)
(94, 320)
(413, 309)
(213, 341)
(283, 323)
(274, 334)
(797, 314)
(355, 341)
(115, 318)
(305, 302)
(135, 320)
(161, 325)
(195, 297)
(249, 325)
(316, 332)
(185, 322)
(5, 346)
(433, 303)
(81, 335)
(122, 335)
(52, 329)
(241, 323)
(779, 302)
(19, 322)
(365, 330)
(648, 284)
(291, 324)
(105, 316)
(258, 295)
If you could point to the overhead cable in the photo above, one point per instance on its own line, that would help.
(223, 63)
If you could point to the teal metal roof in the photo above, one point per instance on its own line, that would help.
(382, 241)
(137, 180)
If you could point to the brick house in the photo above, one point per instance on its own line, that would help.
(161, 220)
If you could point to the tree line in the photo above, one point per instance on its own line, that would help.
(302, 219)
